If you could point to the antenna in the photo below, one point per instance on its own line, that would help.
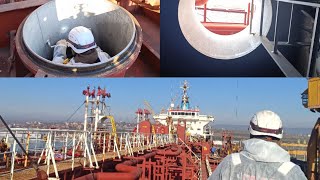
(236, 105)
(172, 98)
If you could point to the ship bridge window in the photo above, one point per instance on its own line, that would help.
(192, 114)
(224, 29)
(182, 113)
(179, 113)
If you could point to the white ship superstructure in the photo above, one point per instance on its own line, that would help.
(195, 122)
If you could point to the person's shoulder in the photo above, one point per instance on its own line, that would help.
(297, 170)
(290, 169)
(297, 173)
(230, 158)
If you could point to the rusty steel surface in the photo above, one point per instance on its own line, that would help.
(149, 21)
(201, 2)
(18, 10)
(146, 65)
(151, 34)
(313, 172)
(4, 64)
(126, 169)
(181, 160)
(63, 166)
(181, 129)
(145, 127)
(9, 1)
(11, 16)
(161, 129)
(204, 173)
(145, 5)
(175, 161)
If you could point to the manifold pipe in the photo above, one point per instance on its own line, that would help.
(127, 169)
(175, 151)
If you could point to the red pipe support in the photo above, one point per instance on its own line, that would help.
(172, 152)
(248, 14)
(127, 169)
(201, 2)
(132, 173)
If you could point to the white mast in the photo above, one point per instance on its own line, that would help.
(96, 119)
(96, 111)
(86, 93)
(185, 97)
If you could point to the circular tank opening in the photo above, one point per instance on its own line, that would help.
(224, 45)
(114, 30)
(224, 17)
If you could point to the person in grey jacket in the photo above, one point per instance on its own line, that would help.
(79, 49)
(261, 158)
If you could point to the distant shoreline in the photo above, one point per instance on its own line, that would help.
(291, 131)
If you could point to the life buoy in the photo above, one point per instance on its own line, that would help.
(58, 156)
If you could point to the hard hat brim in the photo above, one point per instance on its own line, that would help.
(79, 51)
(257, 133)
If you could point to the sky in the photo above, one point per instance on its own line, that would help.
(229, 100)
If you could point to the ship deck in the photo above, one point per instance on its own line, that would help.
(62, 166)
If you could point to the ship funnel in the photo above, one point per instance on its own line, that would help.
(115, 31)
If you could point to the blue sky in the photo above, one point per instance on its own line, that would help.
(229, 100)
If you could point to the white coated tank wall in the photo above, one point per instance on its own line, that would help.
(222, 46)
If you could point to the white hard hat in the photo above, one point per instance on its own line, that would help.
(81, 39)
(266, 123)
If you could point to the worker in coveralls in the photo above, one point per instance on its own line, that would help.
(262, 158)
(79, 49)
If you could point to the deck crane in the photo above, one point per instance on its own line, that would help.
(169, 118)
(96, 108)
(148, 106)
(104, 94)
(311, 100)
(113, 123)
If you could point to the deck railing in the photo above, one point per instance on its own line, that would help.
(46, 147)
